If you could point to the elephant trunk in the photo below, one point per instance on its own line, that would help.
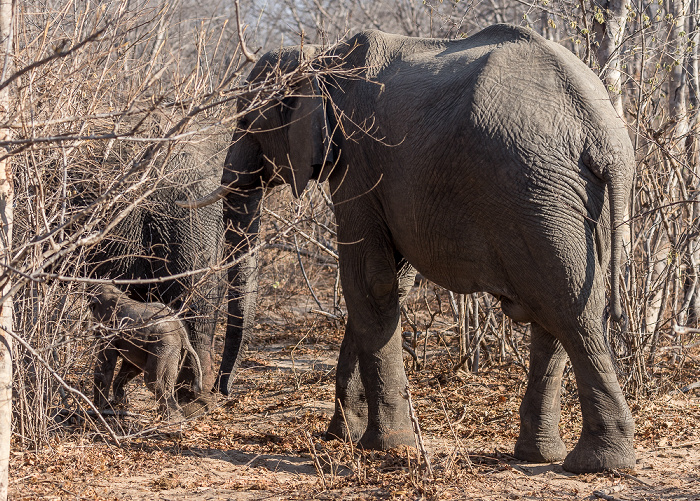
(241, 187)
(242, 212)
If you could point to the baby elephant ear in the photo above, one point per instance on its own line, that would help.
(309, 138)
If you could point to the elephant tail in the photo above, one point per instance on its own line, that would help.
(611, 158)
(617, 196)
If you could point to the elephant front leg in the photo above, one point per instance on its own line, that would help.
(384, 379)
(539, 440)
(372, 298)
(349, 420)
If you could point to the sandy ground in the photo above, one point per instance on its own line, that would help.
(257, 445)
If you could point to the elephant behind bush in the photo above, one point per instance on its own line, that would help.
(159, 239)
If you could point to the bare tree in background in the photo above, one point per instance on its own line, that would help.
(609, 19)
(6, 221)
(678, 75)
(690, 309)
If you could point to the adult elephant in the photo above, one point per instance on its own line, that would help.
(494, 163)
(158, 239)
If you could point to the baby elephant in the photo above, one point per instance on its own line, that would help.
(149, 338)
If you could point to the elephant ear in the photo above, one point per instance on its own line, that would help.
(309, 138)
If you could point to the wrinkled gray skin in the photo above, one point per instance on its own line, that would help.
(494, 163)
(150, 339)
(160, 239)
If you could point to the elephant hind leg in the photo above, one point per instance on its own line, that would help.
(607, 431)
(371, 288)
(539, 440)
(564, 291)
(127, 372)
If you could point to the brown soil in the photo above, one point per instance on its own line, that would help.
(265, 442)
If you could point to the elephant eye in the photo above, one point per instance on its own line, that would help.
(245, 124)
(287, 105)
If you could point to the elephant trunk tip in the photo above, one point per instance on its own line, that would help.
(617, 314)
(208, 199)
(221, 385)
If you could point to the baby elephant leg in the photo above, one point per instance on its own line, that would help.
(161, 375)
(104, 373)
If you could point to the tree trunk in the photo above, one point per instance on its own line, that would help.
(693, 62)
(677, 78)
(609, 18)
(691, 300)
(6, 201)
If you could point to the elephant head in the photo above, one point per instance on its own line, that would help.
(286, 140)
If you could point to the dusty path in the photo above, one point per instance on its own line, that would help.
(257, 445)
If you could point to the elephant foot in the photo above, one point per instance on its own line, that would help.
(346, 427)
(174, 416)
(540, 450)
(171, 412)
(596, 454)
(382, 441)
(205, 402)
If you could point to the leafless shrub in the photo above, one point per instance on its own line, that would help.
(103, 97)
